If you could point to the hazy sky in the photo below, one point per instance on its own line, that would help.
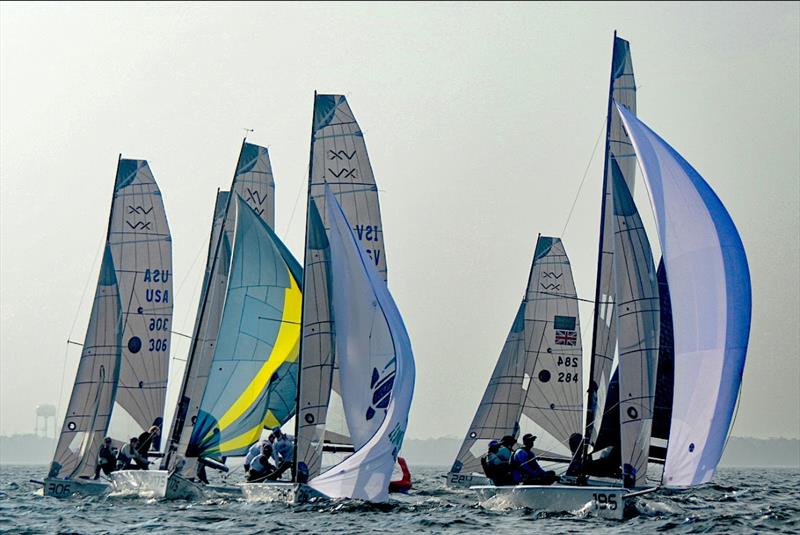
(479, 119)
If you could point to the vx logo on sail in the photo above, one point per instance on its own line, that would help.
(143, 225)
(338, 155)
(550, 286)
(139, 210)
(346, 172)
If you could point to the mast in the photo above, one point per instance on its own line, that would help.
(591, 402)
(178, 419)
(305, 258)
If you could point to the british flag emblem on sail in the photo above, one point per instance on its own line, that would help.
(566, 338)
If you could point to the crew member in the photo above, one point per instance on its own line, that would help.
(106, 459)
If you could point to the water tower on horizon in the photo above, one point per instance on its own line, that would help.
(43, 414)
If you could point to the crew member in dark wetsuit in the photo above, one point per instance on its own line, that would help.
(495, 466)
(129, 457)
(106, 459)
(147, 439)
(526, 470)
(575, 441)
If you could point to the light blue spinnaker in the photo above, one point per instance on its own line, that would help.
(254, 372)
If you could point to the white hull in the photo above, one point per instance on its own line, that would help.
(465, 481)
(160, 484)
(276, 491)
(64, 488)
(603, 501)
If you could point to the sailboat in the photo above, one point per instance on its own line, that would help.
(539, 374)
(357, 372)
(121, 382)
(241, 371)
(643, 315)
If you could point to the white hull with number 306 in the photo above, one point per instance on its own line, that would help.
(605, 502)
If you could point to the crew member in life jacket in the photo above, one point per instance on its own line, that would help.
(106, 459)
(525, 469)
(129, 457)
(401, 485)
(283, 452)
(147, 440)
(496, 466)
(261, 468)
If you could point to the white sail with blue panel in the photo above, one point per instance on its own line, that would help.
(701, 249)
(375, 365)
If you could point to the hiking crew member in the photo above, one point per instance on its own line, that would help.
(525, 469)
(147, 439)
(129, 457)
(260, 467)
(106, 459)
(495, 467)
(283, 452)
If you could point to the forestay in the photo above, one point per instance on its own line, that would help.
(618, 148)
(375, 363)
(709, 284)
(123, 366)
(338, 158)
(258, 343)
(253, 182)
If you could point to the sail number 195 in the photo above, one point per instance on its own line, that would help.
(605, 501)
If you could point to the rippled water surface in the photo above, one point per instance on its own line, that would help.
(739, 501)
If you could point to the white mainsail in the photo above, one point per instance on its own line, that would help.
(604, 337)
(637, 319)
(701, 249)
(375, 363)
(122, 374)
(339, 159)
(554, 393)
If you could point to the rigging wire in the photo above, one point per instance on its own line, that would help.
(585, 174)
(294, 209)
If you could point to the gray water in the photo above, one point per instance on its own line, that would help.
(739, 501)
